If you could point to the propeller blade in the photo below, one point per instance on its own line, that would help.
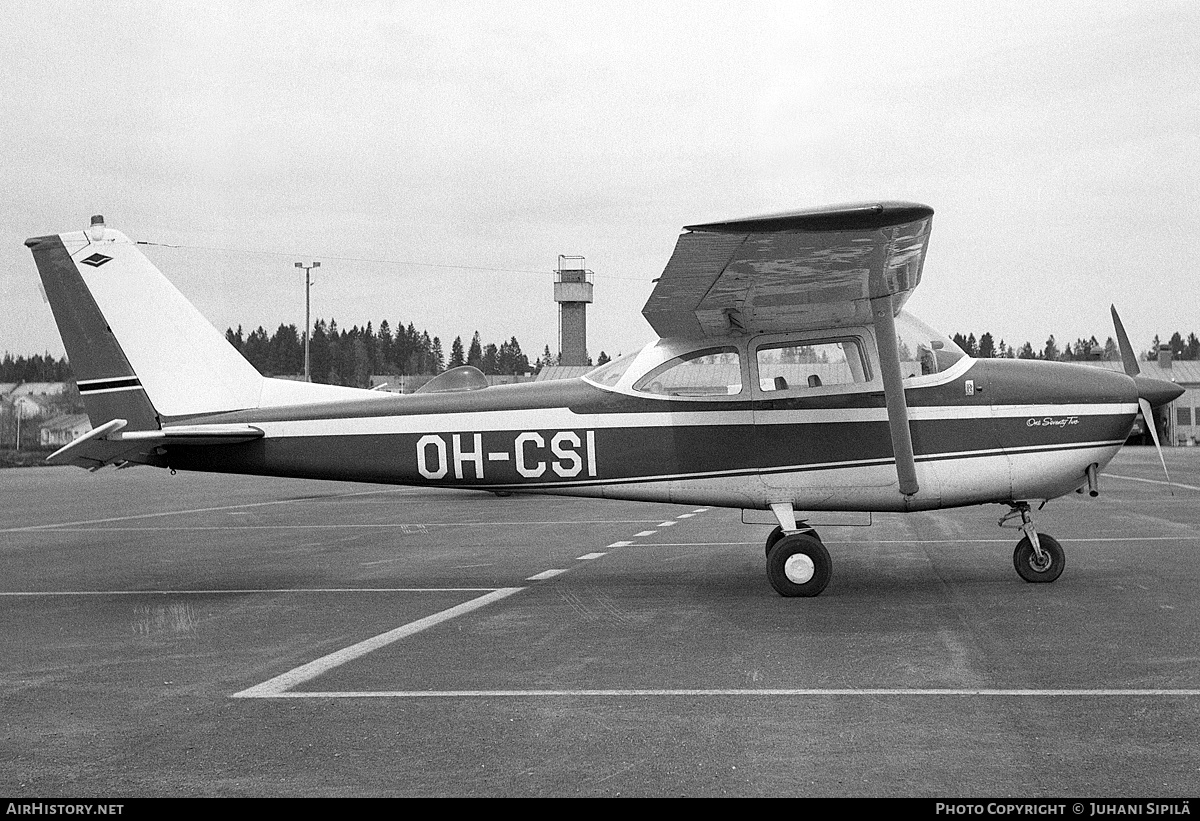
(1148, 415)
(1128, 357)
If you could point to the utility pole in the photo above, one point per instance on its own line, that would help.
(307, 318)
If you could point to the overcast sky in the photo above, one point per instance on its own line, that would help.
(1059, 144)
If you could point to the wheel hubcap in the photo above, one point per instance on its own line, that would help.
(799, 568)
(1043, 564)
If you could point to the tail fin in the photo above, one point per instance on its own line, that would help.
(139, 350)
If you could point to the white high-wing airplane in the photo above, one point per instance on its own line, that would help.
(787, 378)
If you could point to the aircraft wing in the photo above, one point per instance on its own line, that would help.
(106, 445)
(786, 272)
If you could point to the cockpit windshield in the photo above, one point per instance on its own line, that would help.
(610, 373)
(923, 351)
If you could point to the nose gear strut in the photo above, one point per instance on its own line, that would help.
(1038, 558)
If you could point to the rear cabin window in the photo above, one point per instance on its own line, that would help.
(799, 366)
(709, 373)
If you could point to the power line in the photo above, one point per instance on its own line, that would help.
(413, 263)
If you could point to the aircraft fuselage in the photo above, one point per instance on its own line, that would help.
(994, 430)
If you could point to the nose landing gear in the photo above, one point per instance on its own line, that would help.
(1038, 558)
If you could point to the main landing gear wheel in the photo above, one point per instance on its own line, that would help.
(1030, 568)
(798, 565)
(777, 534)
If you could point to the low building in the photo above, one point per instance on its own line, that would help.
(29, 406)
(552, 372)
(62, 430)
(411, 383)
(1179, 421)
(36, 389)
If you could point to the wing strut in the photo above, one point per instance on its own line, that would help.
(893, 392)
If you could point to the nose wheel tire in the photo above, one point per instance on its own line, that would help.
(1049, 568)
(798, 565)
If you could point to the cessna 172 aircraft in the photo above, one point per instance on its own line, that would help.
(787, 378)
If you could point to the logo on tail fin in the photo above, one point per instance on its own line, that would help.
(96, 260)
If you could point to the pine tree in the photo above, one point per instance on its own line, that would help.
(456, 353)
(987, 346)
(475, 352)
(490, 359)
(383, 348)
(437, 358)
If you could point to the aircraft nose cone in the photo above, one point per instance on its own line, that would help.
(1156, 391)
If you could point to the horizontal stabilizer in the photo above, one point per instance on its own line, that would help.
(106, 445)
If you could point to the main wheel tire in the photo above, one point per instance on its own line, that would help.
(799, 565)
(777, 534)
(1027, 564)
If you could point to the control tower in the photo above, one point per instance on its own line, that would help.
(572, 292)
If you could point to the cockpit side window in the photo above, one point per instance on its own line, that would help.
(804, 365)
(708, 373)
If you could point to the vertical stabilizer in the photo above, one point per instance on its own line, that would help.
(139, 350)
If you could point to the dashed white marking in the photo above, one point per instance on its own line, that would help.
(700, 510)
(587, 557)
(644, 533)
(279, 685)
(665, 524)
(620, 544)
(546, 574)
(685, 515)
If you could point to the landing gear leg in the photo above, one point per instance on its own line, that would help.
(1038, 558)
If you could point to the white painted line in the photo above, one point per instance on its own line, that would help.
(700, 510)
(620, 544)
(587, 557)
(76, 526)
(644, 533)
(685, 515)
(665, 524)
(281, 684)
(1066, 541)
(1149, 481)
(546, 574)
(161, 513)
(273, 591)
(808, 693)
